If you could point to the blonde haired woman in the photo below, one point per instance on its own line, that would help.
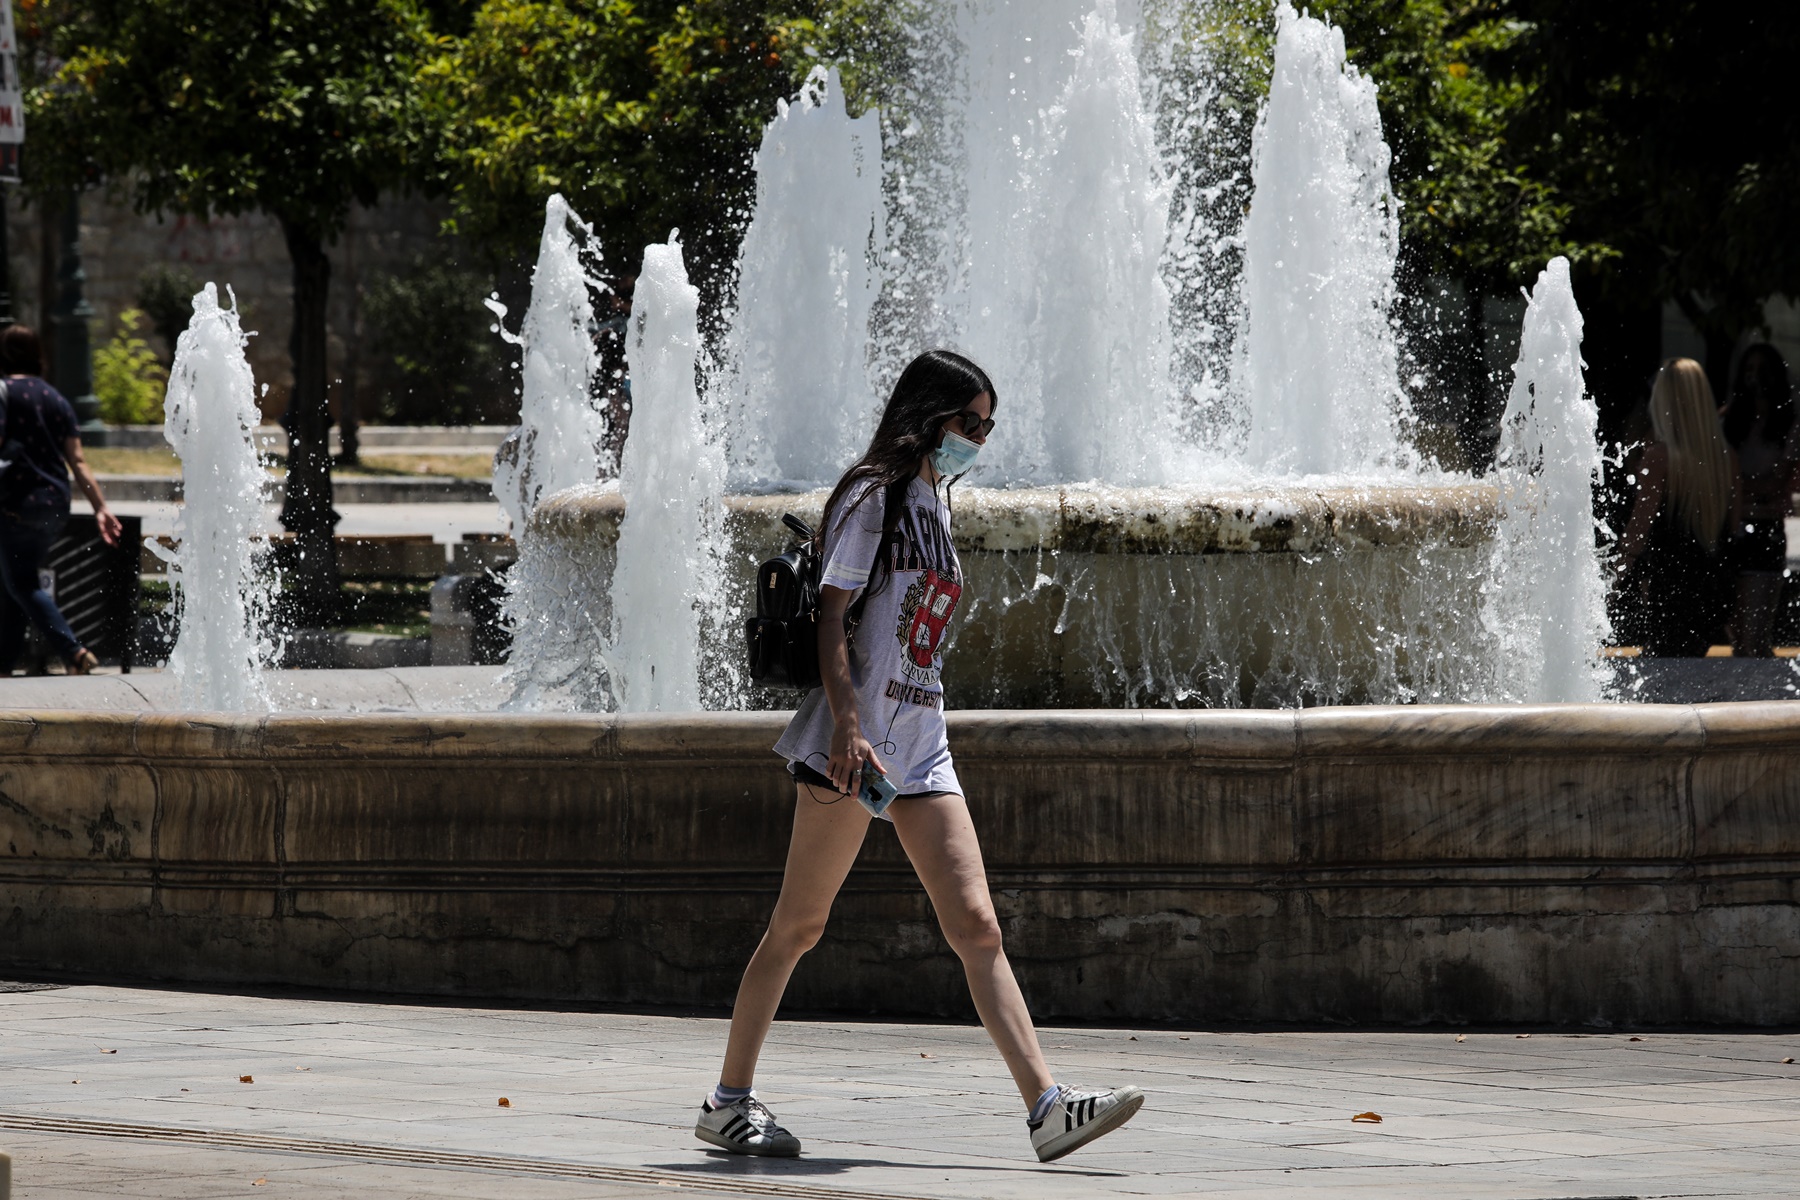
(1673, 551)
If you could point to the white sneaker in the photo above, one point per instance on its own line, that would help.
(1077, 1118)
(745, 1127)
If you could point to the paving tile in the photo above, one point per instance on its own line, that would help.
(1232, 1113)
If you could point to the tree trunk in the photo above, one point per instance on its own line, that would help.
(349, 420)
(307, 512)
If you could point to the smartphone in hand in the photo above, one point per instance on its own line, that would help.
(875, 792)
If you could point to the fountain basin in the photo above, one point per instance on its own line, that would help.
(1118, 597)
(1561, 864)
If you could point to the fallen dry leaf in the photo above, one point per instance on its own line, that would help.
(1462, 1037)
(1368, 1118)
(184, 1089)
(74, 1081)
(922, 1054)
(505, 1103)
(1521, 1035)
(1186, 1039)
(1133, 1037)
(302, 1068)
(1787, 1060)
(109, 1052)
(1637, 1039)
(259, 1182)
(246, 1079)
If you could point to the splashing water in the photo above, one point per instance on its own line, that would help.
(1061, 232)
(797, 352)
(1320, 245)
(562, 426)
(1547, 596)
(1102, 322)
(221, 584)
(667, 589)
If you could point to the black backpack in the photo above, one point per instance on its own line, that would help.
(783, 637)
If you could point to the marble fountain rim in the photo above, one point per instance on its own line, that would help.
(1119, 520)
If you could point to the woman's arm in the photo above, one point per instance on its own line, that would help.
(110, 529)
(1652, 476)
(849, 748)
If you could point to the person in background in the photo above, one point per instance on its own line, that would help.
(39, 446)
(1759, 424)
(1672, 555)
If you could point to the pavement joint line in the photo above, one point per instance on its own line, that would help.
(497, 1164)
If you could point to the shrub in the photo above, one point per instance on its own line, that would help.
(129, 379)
(438, 361)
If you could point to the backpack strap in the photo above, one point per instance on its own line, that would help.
(893, 497)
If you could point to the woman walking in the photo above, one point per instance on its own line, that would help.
(39, 447)
(1672, 554)
(891, 585)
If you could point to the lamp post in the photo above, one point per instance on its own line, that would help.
(6, 312)
(74, 359)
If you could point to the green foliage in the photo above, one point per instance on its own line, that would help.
(443, 364)
(295, 108)
(129, 379)
(643, 115)
(1475, 202)
(166, 295)
(1670, 127)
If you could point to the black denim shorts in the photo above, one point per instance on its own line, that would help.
(805, 774)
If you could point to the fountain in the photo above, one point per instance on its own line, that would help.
(806, 283)
(1148, 535)
(1546, 598)
(219, 578)
(562, 428)
(1119, 551)
(1320, 245)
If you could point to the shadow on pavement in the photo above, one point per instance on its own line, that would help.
(718, 1162)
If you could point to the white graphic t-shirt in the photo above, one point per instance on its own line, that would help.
(895, 659)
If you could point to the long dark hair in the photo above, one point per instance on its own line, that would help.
(1761, 387)
(934, 387)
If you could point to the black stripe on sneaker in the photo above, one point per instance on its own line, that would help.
(736, 1128)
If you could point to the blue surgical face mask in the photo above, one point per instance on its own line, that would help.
(955, 456)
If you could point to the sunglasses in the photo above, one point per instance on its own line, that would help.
(973, 425)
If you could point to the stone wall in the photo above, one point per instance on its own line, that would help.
(246, 253)
(1605, 865)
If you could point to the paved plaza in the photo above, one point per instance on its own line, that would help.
(185, 1095)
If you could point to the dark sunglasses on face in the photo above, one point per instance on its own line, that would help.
(973, 425)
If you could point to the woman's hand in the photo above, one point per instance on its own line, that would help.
(849, 751)
(110, 529)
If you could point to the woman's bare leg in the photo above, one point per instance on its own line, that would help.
(940, 840)
(828, 831)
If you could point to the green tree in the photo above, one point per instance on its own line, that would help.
(444, 366)
(1670, 127)
(643, 114)
(294, 108)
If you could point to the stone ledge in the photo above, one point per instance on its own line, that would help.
(1117, 520)
(1391, 865)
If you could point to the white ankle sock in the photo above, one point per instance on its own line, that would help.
(723, 1096)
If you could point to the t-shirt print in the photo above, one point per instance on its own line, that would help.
(896, 651)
